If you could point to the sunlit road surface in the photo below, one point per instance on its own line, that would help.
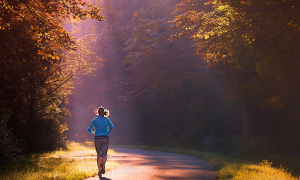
(151, 165)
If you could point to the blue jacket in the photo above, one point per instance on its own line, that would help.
(103, 126)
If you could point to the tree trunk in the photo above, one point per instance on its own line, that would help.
(298, 132)
(205, 113)
(245, 119)
(31, 132)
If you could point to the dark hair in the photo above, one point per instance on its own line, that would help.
(106, 111)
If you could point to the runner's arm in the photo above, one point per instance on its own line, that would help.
(111, 126)
(90, 127)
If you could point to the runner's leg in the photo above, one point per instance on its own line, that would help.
(104, 160)
(99, 161)
(99, 154)
(104, 153)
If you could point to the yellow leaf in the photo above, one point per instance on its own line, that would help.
(220, 8)
(41, 53)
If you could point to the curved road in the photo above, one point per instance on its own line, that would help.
(138, 164)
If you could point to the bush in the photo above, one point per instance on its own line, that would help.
(238, 144)
(10, 151)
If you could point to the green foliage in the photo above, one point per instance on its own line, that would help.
(257, 57)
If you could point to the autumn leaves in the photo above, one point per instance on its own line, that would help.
(38, 61)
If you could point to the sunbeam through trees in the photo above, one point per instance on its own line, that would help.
(217, 75)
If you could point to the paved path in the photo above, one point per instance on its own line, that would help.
(154, 165)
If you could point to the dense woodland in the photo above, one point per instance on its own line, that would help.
(217, 75)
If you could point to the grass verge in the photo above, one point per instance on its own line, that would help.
(230, 167)
(78, 162)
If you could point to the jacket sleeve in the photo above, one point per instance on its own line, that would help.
(90, 127)
(110, 125)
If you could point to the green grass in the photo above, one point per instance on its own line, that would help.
(238, 168)
(78, 162)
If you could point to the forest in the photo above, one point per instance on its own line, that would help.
(217, 76)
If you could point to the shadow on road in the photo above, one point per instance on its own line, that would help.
(104, 178)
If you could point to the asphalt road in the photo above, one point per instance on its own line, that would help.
(138, 164)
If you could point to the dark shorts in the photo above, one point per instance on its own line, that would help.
(101, 145)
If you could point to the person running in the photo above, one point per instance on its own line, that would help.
(103, 126)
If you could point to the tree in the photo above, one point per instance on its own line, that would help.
(253, 45)
(36, 67)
